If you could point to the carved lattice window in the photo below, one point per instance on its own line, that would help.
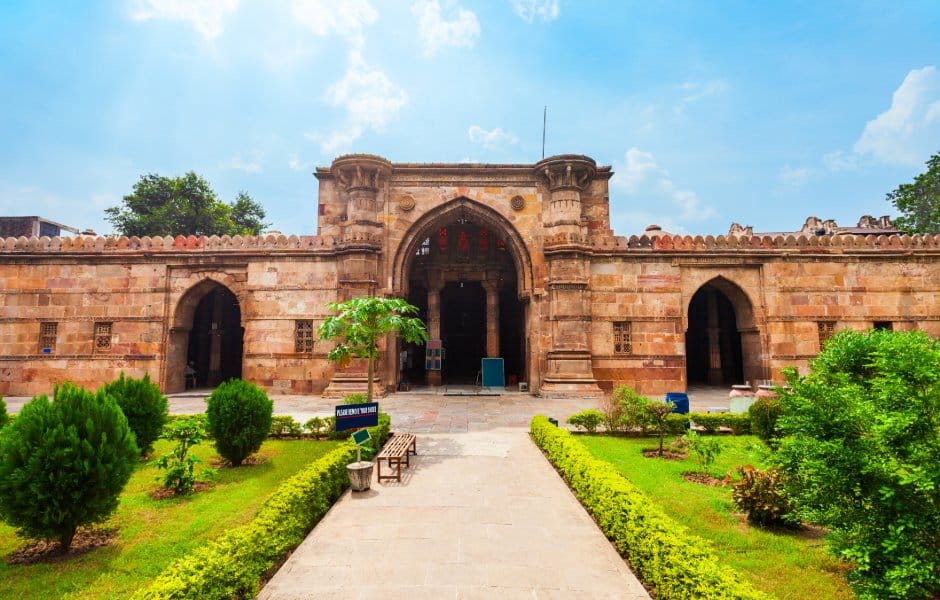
(303, 336)
(442, 240)
(825, 329)
(623, 344)
(47, 336)
(484, 241)
(102, 337)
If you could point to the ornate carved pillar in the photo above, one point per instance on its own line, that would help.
(434, 324)
(569, 369)
(360, 181)
(492, 318)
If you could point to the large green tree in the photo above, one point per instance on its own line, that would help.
(360, 323)
(184, 205)
(919, 202)
(860, 451)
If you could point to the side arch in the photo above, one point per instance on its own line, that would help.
(447, 214)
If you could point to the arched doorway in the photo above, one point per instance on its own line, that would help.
(461, 268)
(207, 337)
(722, 341)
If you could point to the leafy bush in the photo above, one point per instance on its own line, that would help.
(4, 417)
(705, 449)
(739, 424)
(178, 463)
(764, 414)
(666, 555)
(233, 565)
(316, 426)
(860, 453)
(144, 406)
(284, 426)
(238, 418)
(635, 415)
(613, 414)
(762, 497)
(587, 420)
(709, 422)
(677, 424)
(356, 398)
(64, 463)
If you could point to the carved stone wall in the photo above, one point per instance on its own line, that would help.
(576, 282)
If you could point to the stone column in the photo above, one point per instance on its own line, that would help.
(434, 324)
(360, 179)
(569, 369)
(714, 339)
(492, 318)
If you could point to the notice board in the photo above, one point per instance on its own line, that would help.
(494, 374)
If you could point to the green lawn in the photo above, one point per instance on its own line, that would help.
(787, 564)
(152, 533)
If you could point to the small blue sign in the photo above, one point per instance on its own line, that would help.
(354, 416)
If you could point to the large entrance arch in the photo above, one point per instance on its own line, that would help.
(722, 341)
(469, 273)
(207, 337)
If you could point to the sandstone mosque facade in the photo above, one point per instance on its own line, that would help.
(515, 261)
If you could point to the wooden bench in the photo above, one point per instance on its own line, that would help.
(398, 447)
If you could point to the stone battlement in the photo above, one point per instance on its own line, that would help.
(180, 243)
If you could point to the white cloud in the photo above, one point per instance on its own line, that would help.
(796, 176)
(528, 10)
(642, 176)
(239, 163)
(840, 161)
(345, 18)
(436, 32)
(205, 16)
(370, 99)
(908, 131)
(493, 138)
(699, 90)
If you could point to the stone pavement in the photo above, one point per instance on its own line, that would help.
(480, 514)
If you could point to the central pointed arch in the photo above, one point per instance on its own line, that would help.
(449, 213)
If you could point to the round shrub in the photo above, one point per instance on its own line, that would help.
(144, 406)
(238, 418)
(64, 463)
(587, 420)
(764, 414)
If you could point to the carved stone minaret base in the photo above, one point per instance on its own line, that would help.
(569, 368)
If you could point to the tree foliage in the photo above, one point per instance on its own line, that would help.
(144, 406)
(238, 417)
(919, 202)
(184, 205)
(64, 463)
(360, 323)
(860, 453)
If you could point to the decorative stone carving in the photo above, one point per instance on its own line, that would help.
(567, 171)
(406, 204)
(517, 203)
(360, 171)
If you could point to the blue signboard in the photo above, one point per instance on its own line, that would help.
(493, 373)
(354, 416)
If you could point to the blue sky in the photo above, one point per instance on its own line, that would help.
(709, 112)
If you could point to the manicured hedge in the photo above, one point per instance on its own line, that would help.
(674, 562)
(232, 566)
(710, 422)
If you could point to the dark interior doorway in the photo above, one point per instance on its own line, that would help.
(463, 331)
(712, 341)
(511, 329)
(216, 338)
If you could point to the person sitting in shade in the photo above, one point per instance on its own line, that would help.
(190, 376)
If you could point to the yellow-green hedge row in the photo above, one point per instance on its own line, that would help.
(232, 566)
(670, 559)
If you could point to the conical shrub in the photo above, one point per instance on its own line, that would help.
(144, 406)
(64, 463)
(238, 417)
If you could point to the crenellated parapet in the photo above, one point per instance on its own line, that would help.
(169, 244)
(820, 244)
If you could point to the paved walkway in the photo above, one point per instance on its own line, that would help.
(480, 514)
